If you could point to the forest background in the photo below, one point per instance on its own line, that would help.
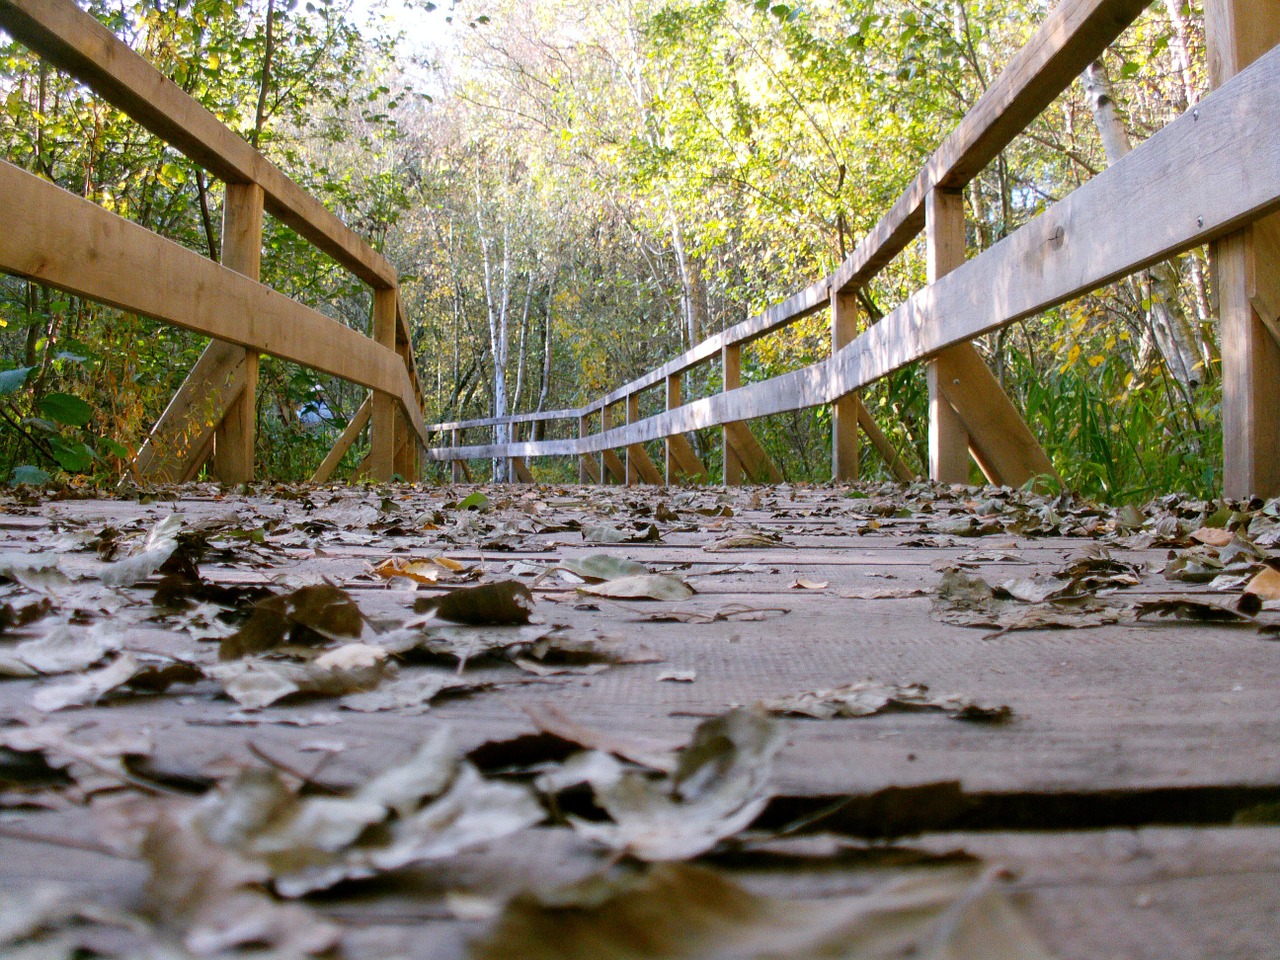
(574, 193)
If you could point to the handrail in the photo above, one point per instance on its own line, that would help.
(1202, 177)
(1072, 36)
(74, 41)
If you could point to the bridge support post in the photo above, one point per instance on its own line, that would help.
(456, 467)
(680, 455)
(588, 465)
(640, 468)
(381, 463)
(948, 438)
(844, 411)
(731, 379)
(1248, 274)
(241, 251)
(612, 463)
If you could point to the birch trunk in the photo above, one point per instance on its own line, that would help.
(1178, 341)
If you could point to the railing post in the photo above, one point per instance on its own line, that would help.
(455, 466)
(1237, 33)
(382, 447)
(588, 465)
(242, 252)
(844, 411)
(671, 469)
(944, 238)
(731, 379)
(611, 464)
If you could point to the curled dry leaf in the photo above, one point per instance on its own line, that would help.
(203, 892)
(502, 603)
(432, 806)
(460, 644)
(868, 698)
(745, 541)
(63, 649)
(160, 545)
(719, 787)
(645, 586)
(694, 913)
(561, 652)
(1186, 608)
(313, 615)
(1266, 583)
(257, 682)
(552, 720)
(810, 584)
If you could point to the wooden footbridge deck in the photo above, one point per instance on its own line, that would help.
(197, 707)
(1126, 794)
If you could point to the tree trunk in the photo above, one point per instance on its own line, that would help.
(1177, 339)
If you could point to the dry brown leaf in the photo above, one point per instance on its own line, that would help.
(257, 682)
(645, 586)
(681, 912)
(312, 615)
(496, 604)
(868, 698)
(1266, 584)
(810, 584)
(1213, 536)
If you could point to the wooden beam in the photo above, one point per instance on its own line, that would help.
(612, 465)
(1238, 32)
(521, 470)
(731, 379)
(74, 41)
(382, 440)
(681, 458)
(57, 238)
(182, 438)
(456, 466)
(588, 465)
(640, 468)
(844, 410)
(242, 252)
(348, 436)
(945, 250)
(1205, 175)
(747, 450)
(894, 460)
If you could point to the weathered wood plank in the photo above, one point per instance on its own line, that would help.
(944, 251)
(57, 238)
(1238, 33)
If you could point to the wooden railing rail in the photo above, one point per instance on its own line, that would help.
(1200, 180)
(250, 319)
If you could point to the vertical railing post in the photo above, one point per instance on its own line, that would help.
(584, 428)
(945, 247)
(233, 442)
(455, 466)
(632, 404)
(844, 411)
(731, 379)
(671, 469)
(382, 447)
(1237, 33)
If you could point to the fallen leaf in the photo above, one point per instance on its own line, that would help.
(678, 676)
(1185, 608)
(719, 787)
(309, 616)
(693, 913)
(419, 571)
(646, 586)
(63, 649)
(1266, 584)
(504, 602)
(551, 719)
(257, 682)
(1213, 536)
(810, 584)
(160, 545)
(744, 541)
(867, 698)
(603, 566)
(138, 671)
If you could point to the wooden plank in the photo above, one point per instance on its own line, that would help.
(1238, 33)
(382, 437)
(182, 437)
(233, 441)
(844, 410)
(588, 466)
(611, 463)
(1202, 177)
(352, 430)
(999, 438)
(755, 462)
(944, 251)
(456, 467)
(74, 41)
(640, 469)
(543, 417)
(57, 238)
(731, 379)
(894, 460)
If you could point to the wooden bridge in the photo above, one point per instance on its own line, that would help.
(1125, 806)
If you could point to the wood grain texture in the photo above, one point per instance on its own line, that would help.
(844, 410)
(944, 251)
(67, 242)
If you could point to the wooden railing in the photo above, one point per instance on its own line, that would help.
(1212, 176)
(60, 239)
